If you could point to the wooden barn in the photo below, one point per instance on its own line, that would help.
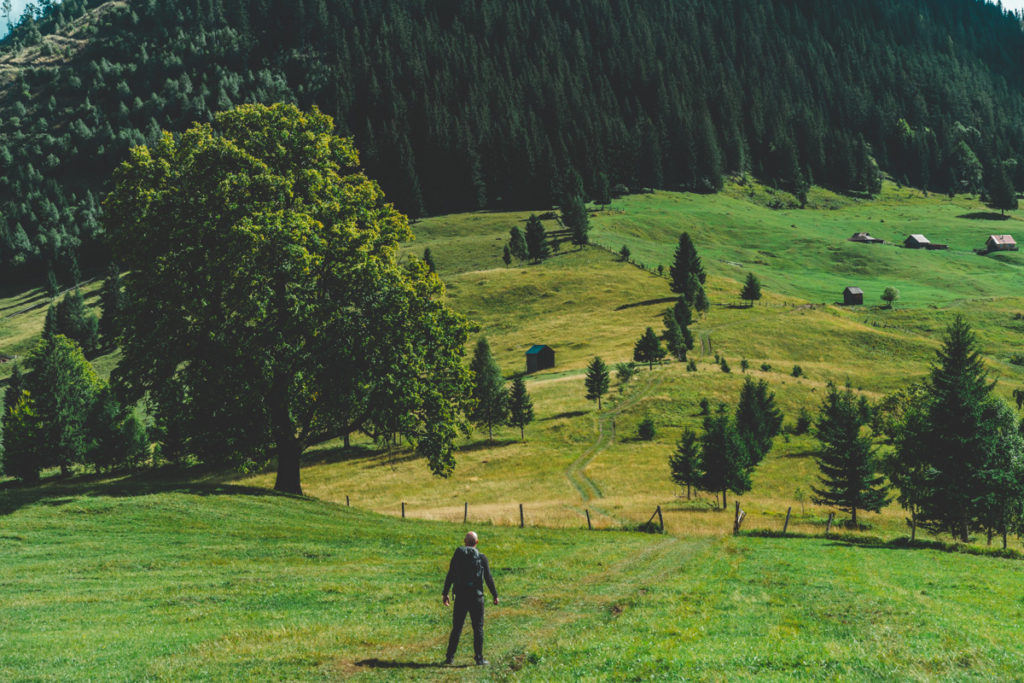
(540, 357)
(853, 296)
(916, 242)
(865, 238)
(1001, 243)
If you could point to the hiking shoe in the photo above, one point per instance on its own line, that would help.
(482, 662)
(449, 661)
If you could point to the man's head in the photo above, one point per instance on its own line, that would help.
(470, 539)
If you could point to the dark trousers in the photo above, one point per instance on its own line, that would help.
(475, 606)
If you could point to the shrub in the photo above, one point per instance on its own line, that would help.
(765, 367)
(691, 366)
(803, 422)
(705, 406)
(724, 364)
(798, 371)
(744, 365)
(645, 430)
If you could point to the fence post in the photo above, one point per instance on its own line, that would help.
(786, 525)
(403, 509)
(661, 521)
(465, 512)
(346, 501)
(740, 514)
(522, 522)
(828, 527)
(588, 519)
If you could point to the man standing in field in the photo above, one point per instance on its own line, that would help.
(467, 573)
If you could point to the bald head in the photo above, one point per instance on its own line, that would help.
(470, 539)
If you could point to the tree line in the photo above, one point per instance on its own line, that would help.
(459, 106)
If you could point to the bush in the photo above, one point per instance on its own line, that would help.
(724, 364)
(803, 422)
(691, 366)
(744, 365)
(765, 367)
(705, 406)
(798, 371)
(1017, 359)
(645, 430)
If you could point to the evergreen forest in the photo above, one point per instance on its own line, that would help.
(458, 106)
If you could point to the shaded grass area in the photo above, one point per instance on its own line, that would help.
(123, 580)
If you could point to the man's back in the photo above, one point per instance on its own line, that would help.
(468, 571)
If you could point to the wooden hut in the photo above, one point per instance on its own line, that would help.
(540, 357)
(864, 238)
(916, 242)
(1000, 243)
(853, 296)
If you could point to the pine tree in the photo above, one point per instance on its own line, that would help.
(723, 457)
(597, 380)
(428, 258)
(758, 419)
(685, 263)
(111, 306)
(604, 190)
(685, 461)
(536, 240)
(23, 440)
(506, 256)
(848, 462)
(648, 349)
(12, 394)
(1001, 191)
(50, 326)
(700, 300)
(751, 291)
(489, 391)
(517, 245)
(52, 288)
(575, 218)
(675, 341)
(520, 406)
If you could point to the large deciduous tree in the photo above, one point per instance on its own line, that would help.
(267, 306)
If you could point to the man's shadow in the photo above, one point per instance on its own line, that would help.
(393, 664)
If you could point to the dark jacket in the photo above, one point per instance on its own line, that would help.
(475, 591)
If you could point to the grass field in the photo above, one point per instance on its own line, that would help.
(586, 303)
(143, 581)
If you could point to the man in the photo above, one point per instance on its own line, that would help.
(467, 573)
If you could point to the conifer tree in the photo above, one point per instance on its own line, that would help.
(751, 291)
(22, 440)
(489, 391)
(50, 326)
(597, 380)
(675, 341)
(758, 419)
(849, 466)
(604, 190)
(575, 218)
(517, 245)
(506, 256)
(685, 263)
(723, 457)
(428, 258)
(12, 394)
(1001, 191)
(536, 240)
(520, 406)
(685, 461)
(648, 349)
(111, 305)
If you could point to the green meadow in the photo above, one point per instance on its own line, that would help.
(215, 577)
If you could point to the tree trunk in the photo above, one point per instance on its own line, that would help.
(287, 445)
(347, 444)
(288, 455)
(687, 492)
(599, 403)
(522, 434)
(853, 517)
(490, 432)
(913, 524)
(725, 503)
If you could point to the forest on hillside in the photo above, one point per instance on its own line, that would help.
(459, 106)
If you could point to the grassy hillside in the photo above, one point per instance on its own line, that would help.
(129, 581)
(586, 303)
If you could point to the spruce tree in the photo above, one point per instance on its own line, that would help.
(648, 349)
(604, 190)
(685, 461)
(489, 391)
(428, 258)
(1001, 507)
(536, 240)
(685, 263)
(12, 394)
(751, 291)
(111, 306)
(758, 419)
(575, 218)
(956, 436)
(849, 466)
(506, 256)
(675, 341)
(517, 244)
(700, 300)
(50, 326)
(597, 380)
(723, 457)
(22, 440)
(1001, 191)
(520, 406)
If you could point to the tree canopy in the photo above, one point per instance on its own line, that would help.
(266, 305)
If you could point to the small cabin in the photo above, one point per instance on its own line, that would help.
(916, 242)
(853, 296)
(1000, 243)
(540, 357)
(864, 238)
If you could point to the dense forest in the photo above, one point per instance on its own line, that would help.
(457, 105)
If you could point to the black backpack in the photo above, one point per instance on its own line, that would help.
(469, 570)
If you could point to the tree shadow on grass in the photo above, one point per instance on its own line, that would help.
(485, 444)
(375, 663)
(567, 414)
(985, 216)
(649, 302)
